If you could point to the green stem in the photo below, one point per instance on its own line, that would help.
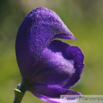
(20, 91)
(18, 96)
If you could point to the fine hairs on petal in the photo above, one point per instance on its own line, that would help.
(48, 67)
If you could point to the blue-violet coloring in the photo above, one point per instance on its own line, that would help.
(49, 66)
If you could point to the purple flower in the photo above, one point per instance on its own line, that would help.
(50, 67)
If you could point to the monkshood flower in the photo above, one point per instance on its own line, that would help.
(49, 67)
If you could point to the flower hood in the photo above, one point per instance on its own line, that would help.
(50, 66)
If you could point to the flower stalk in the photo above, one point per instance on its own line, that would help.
(20, 91)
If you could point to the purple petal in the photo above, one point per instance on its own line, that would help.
(62, 65)
(52, 93)
(50, 66)
(36, 32)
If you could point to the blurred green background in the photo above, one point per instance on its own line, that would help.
(83, 17)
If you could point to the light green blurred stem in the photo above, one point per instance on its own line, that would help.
(20, 91)
(18, 96)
